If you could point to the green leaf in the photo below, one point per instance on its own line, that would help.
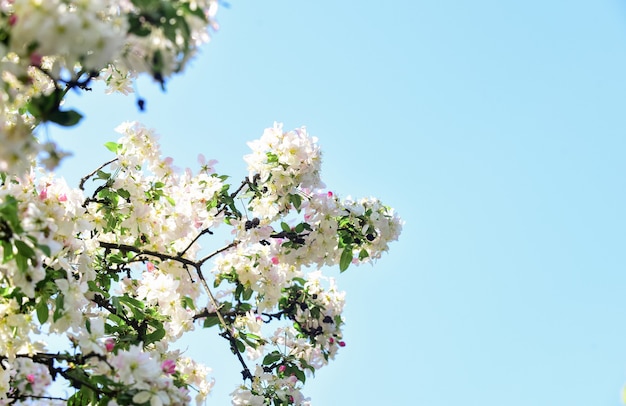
(84, 396)
(45, 249)
(8, 213)
(271, 157)
(155, 336)
(42, 105)
(135, 306)
(66, 118)
(112, 146)
(196, 11)
(301, 281)
(241, 347)
(42, 310)
(7, 251)
(211, 321)
(22, 263)
(239, 290)
(116, 319)
(346, 258)
(58, 307)
(297, 201)
(132, 302)
(188, 303)
(102, 175)
(247, 293)
(363, 254)
(124, 194)
(271, 358)
(24, 249)
(225, 307)
(119, 309)
(285, 227)
(244, 307)
(299, 374)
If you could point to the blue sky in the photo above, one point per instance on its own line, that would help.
(496, 129)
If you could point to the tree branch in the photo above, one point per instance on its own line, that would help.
(226, 333)
(85, 178)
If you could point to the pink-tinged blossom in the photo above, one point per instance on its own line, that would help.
(30, 378)
(135, 366)
(164, 210)
(168, 366)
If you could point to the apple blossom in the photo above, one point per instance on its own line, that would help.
(99, 282)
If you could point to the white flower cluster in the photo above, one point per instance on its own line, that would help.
(283, 162)
(258, 269)
(152, 379)
(116, 270)
(367, 225)
(322, 318)
(149, 184)
(49, 45)
(267, 386)
(48, 236)
(86, 33)
(23, 377)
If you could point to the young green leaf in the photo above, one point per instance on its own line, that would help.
(346, 258)
(42, 310)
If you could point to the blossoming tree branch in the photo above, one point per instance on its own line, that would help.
(114, 269)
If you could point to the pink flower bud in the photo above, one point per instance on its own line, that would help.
(282, 368)
(168, 366)
(35, 59)
(330, 194)
(341, 344)
(275, 260)
(12, 19)
(30, 378)
(63, 197)
(150, 267)
(43, 195)
(109, 344)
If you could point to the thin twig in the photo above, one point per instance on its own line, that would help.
(85, 178)
(246, 371)
(219, 251)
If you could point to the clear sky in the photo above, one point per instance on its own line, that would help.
(496, 129)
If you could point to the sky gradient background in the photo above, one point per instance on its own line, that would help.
(498, 132)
